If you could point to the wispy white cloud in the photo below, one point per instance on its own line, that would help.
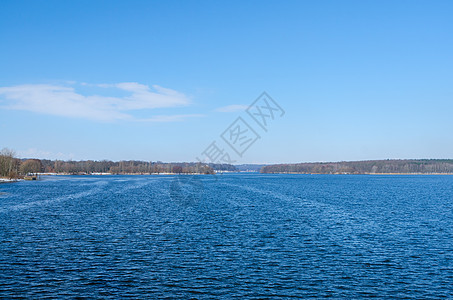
(232, 108)
(44, 154)
(65, 101)
(171, 118)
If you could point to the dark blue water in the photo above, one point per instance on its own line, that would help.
(231, 236)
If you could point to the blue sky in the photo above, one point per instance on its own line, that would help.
(161, 80)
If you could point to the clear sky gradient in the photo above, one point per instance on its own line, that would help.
(161, 80)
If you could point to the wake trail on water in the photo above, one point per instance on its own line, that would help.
(39, 203)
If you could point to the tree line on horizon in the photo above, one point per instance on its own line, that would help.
(404, 166)
(13, 167)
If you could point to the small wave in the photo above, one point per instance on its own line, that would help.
(38, 203)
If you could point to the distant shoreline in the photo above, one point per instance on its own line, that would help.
(299, 173)
(371, 167)
(6, 180)
(120, 174)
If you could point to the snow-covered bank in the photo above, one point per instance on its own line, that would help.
(5, 180)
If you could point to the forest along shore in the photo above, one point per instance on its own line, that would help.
(13, 167)
(372, 167)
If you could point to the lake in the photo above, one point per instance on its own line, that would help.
(247, 236)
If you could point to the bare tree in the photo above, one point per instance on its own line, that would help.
(31, 166)
(8, 163)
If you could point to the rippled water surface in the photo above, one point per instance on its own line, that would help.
(227, 236)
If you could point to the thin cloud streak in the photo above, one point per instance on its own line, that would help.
(232, 108)
(65, 101)
(171, 118)
(44, 154)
